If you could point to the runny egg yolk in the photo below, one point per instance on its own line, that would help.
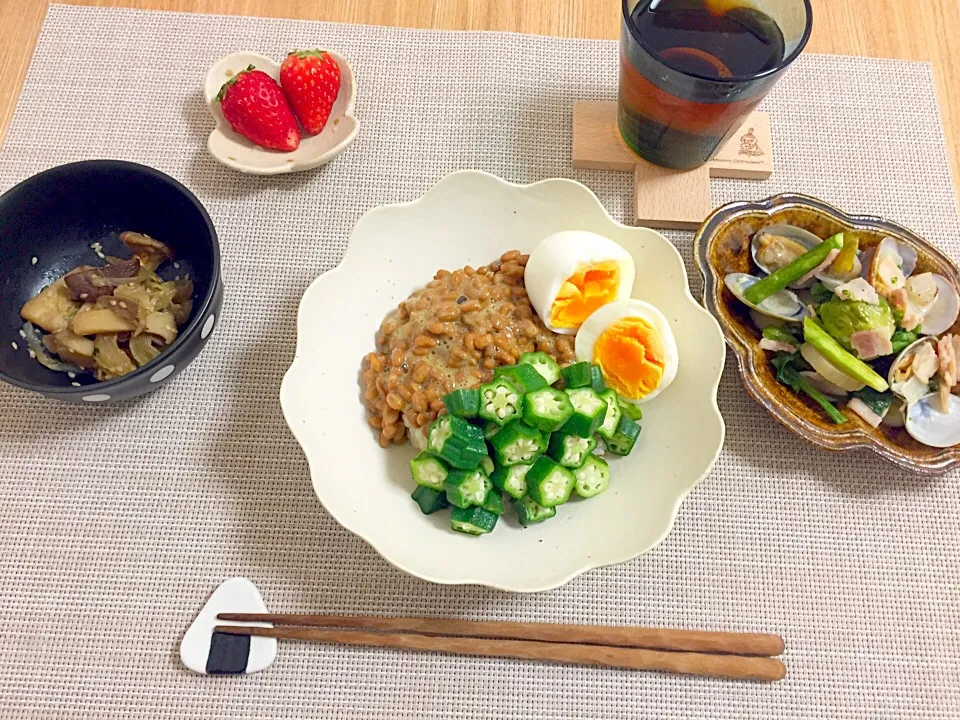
(631, 356)
(591, 286)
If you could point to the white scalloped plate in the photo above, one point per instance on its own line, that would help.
(471, 218)
(235, 151)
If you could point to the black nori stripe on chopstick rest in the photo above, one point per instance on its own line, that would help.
(228, 654)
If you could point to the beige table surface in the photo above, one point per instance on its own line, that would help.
(890, 28)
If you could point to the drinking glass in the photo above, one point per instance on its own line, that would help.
(684, 89)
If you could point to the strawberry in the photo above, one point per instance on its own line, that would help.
(255, 106)
(311, 79)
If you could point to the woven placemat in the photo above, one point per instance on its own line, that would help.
(117, 522)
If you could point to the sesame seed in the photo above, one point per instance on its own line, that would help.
(71, 375)
(23, 334)
(176, 265)
(32, 354)
(15, 346)
(75, 384)
(33, 261)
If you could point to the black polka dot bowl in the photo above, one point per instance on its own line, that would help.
(72, 215)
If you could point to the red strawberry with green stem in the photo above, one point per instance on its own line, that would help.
(255, 106)
(311, 80)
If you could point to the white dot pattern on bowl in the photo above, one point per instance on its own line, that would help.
(162, 374)
(207, 327)
(96, 398)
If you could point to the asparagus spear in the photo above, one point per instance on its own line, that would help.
(840, 358)
(771, 284)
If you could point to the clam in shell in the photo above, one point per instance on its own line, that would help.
(776, 246)
(908, 258)
(764, 321)
(942, 313)
(783, 305)
(914, 367)
(927, 424)
(885, 271)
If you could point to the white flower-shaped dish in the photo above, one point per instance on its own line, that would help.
(236, 152)
(471, 218)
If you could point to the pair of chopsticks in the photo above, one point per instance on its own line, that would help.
(740, 656)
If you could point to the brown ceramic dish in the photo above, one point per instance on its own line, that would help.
(722, 246)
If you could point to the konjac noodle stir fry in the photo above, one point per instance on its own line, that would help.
(859, 327)
(112, 319)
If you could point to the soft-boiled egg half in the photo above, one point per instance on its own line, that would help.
(634, 346)
(572, 273)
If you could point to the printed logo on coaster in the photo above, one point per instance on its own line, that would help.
(749, 145)
(211, 653)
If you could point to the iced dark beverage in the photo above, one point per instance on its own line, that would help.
(692, 70)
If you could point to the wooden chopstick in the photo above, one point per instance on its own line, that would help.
(759, 644)
(737, 667)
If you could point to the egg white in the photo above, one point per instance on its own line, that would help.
(610, 313)
(557, 258)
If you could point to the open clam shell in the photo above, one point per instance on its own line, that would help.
(764, 321)
(783, 305)
(832, 279)
(910, 388)
(885, 271)
(778, 245)
(944, 311)
(928, 424)
(906, 257)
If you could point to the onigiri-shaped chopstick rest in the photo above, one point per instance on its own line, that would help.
(204, 651)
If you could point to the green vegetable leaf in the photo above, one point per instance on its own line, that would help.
(902, 338)
(787, 369)
(788, 374)
(820, 294)
(779, 334)
(878, 402)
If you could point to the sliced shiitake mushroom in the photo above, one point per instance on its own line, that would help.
(150, 251)
(93, 283)
(126, 308)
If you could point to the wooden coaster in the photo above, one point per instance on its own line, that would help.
(665, 198)
(671, 199)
